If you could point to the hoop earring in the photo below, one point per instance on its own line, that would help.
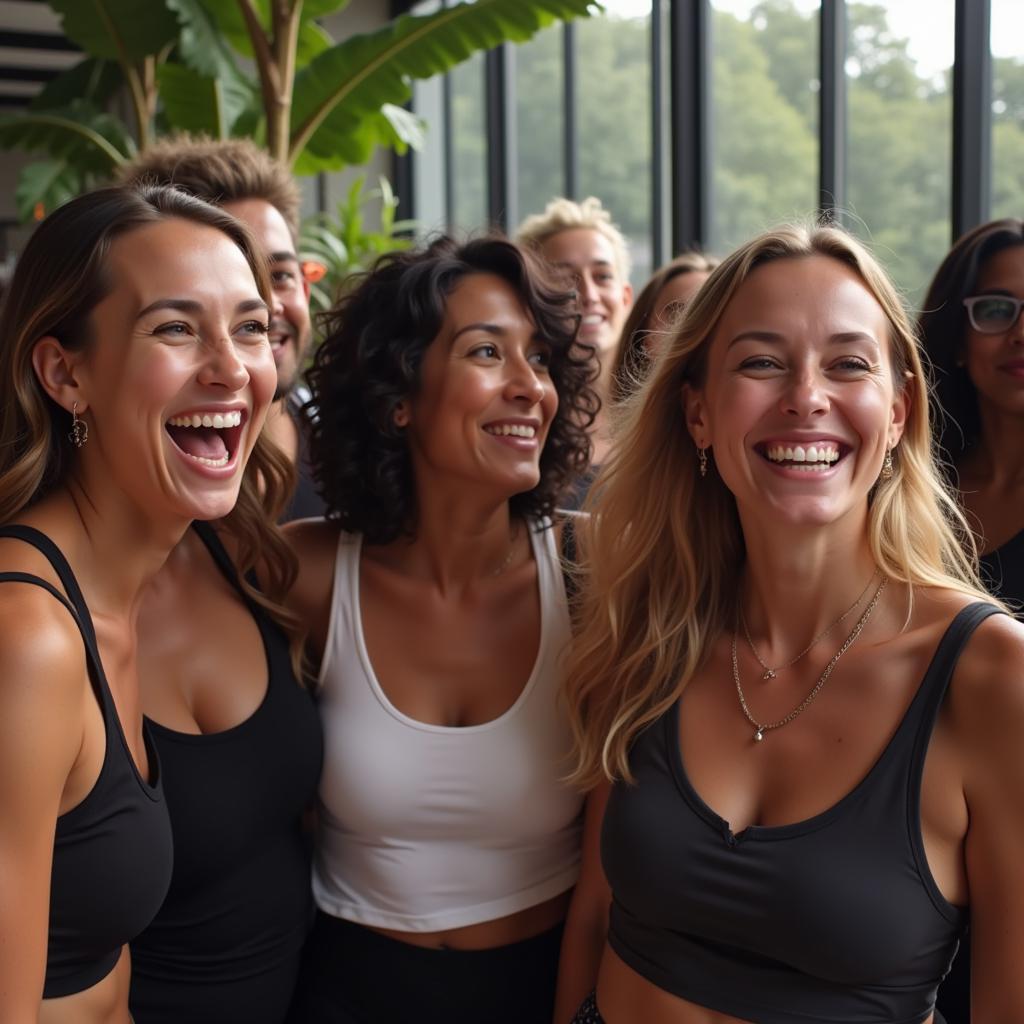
(702, 461)
(79, 433)
(887, 469)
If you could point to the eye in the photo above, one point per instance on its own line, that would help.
(283, 278)
(760, 363)
(852, 364)
(175, 329)
(253, 329)
(485, 351)
(541, 357)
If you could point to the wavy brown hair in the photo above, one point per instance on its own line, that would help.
(60, 278)
(663, 550)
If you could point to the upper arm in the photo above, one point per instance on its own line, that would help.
(42, 683)
(592, 889)
(987, 701)
(315, 543)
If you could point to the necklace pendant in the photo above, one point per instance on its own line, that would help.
(769, 673)
(758, 736)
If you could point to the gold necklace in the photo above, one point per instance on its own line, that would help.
(771, 673)
(511, 551)
(763, 727)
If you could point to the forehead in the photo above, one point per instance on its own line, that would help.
(485, 298)
(176, 258)
(808, 297)
(266, 223)
(579, 247)
(1004, 270)
(680, 288)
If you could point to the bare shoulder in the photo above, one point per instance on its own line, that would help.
(986, 696)
(42, 671)
(315, 543)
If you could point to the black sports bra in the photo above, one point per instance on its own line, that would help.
(112, 852)
(834, 919)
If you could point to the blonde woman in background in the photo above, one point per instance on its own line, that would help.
(580, 241)
(654, 316)
(799, 716)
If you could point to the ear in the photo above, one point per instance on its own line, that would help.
(901, 405)
(56, 370)
(401, 415)
(695, 413)
(627, 295)
(305, 289)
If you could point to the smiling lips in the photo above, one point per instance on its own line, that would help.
(209, 438)
(511, 430)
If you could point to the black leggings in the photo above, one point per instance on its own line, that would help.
(352, 975)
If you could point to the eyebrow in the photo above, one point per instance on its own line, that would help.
(593, 263)
(771, 337)
(489, 328)
(194, 308)
(285, 256)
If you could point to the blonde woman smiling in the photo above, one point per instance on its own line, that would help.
(800, 714)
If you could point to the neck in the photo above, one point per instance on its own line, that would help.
(796, 585)
(114, 549)
(460, 539)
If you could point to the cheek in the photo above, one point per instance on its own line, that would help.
(262, 373)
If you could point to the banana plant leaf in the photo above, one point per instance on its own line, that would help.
(47, 184)
(202, 104)
(350, 82)
(92, 79)
(121, 30)
(312, 39)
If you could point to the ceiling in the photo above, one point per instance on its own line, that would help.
(32, 50)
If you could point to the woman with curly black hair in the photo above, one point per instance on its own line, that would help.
(452, 407)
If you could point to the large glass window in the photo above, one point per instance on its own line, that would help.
(764, 117)
(1007, 108)
(901, 134)
(614, 104)
(540, 125)
(468, 145)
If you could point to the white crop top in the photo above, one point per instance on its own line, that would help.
(425, 827)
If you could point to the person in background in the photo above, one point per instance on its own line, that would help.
(453, 412)
(973, 334)
(129, 311)
(800, 710)
(654, 315)
(580, 240)
(239, 176)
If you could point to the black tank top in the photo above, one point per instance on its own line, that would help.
(111, 852)
(227, 941)
(836, 918)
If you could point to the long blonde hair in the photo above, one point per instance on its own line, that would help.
(662, 551)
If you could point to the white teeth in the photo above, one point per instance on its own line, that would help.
(512, 429)
(217, 463)
(593, 318)
(821, 453)
(215, 420)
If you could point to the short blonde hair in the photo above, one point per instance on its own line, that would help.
(563, 214)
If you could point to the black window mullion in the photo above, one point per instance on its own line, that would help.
(832, 122)
(690, 61)
(570, 114)
(501, 143)
(972, 115)
(659, 237)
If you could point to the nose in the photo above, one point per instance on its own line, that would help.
(589, 294)
(523, 384)
(805, 395)
(221, 366)
(276, 305)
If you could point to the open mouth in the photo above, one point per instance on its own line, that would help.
(209, 438)
(812, 457)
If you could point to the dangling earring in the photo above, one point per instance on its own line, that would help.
(79, 433)
(886, 473)
(702, 461)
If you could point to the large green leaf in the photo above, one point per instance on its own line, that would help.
(201, 104)
(201, 44)
(121, 30)
(351, 81)
(90, 79)
(313, 39)
(48, 183)
(88, 139)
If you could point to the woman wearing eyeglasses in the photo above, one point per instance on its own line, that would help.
(973, 331)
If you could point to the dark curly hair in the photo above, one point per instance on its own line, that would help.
(369, 361)
(943, 329)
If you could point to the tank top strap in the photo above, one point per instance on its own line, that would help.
(940, 671)
(55, 557)
(208, 535)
